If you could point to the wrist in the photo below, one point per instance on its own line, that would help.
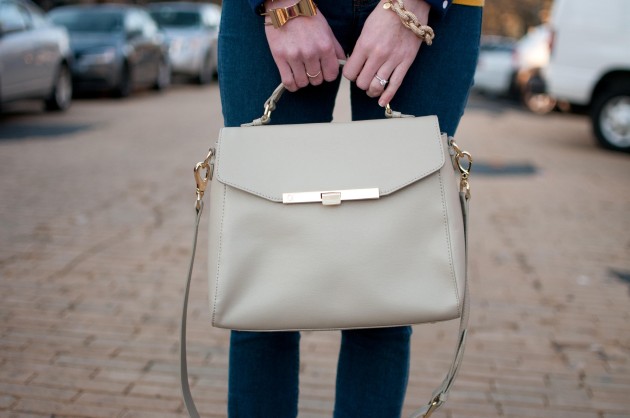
(278, 15)
(420, 8)
(409, 19)
(274, 4)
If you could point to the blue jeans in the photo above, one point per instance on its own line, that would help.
(373, 363)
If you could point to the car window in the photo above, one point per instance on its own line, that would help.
(13, 17)
(169, 17)
(87, 21)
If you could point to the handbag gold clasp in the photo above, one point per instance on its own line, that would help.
(464, 161)
(330, 197)
(202, 181)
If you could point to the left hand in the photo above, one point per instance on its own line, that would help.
(385, 48)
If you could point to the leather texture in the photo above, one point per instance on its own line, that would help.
(396, 260)
(381, 245)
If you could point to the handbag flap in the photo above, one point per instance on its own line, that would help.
(387, 154)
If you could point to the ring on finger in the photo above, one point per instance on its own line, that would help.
(313, 76)
(382, 81)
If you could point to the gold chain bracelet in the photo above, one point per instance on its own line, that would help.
(410, 21)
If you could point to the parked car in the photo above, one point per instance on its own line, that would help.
(35, 56)
(594, 70)
(192, 30)
(495, 66)
(515, 69)
(116, 48)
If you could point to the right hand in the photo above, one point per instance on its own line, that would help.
(304, 44)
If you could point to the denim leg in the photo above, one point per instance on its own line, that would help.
(372, 373)
(373, 364)
(263, 374)
(264, 367)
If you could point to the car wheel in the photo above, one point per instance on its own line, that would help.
(163, 77)
(60, 97)
(206, 72)
(124, 84)
(610, 115)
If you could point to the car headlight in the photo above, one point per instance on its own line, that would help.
(103, 56)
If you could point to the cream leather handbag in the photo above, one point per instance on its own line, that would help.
(336, 226)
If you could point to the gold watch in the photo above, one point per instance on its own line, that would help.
(282, 15)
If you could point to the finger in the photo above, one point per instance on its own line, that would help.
(313, 70)
(369, 70)
(315, 78)
(376, 87)
(354, 65)
(286, 75)
(330, 62)
(299, 72)
(395, 81)
(339, 52)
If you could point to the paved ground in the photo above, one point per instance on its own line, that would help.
(96, 218)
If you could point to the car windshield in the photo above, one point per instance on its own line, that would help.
(176, 19)
(89, 20)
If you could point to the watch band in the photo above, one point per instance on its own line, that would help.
(282, 15)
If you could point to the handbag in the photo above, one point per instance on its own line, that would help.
(335, 226)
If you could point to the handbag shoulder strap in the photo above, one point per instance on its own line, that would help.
(441, 393)
(183, 361)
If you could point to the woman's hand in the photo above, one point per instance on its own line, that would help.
(385, 49)
(304, 45)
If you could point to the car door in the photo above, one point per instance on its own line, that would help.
(46, 50)
(142, 36)
(16, 52)
(153, 45)
(136, 45)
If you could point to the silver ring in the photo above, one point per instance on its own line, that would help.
(313, 76)
(381, 80)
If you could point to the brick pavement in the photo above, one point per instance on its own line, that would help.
(95, 235)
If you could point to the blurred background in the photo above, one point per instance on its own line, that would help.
(147, 44)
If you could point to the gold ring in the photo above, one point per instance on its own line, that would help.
(313, 76)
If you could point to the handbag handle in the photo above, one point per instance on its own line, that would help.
(272, 101)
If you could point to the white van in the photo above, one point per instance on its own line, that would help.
(590, 64)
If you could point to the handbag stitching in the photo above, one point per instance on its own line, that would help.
(449, 244)
(216, 284)
(448, 232)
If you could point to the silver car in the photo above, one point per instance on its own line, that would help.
(34, 56)
(116, 48)
(192, 31)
